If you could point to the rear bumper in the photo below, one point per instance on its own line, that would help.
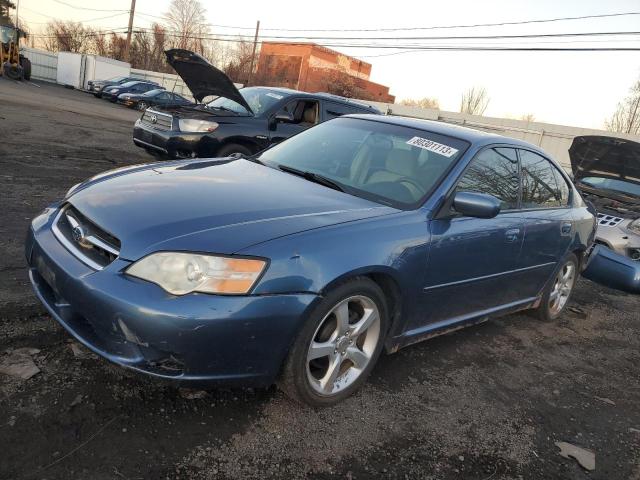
(613, 270)
(174, 144)
(234, 340)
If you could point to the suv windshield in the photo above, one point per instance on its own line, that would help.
(389, 164)
(621, 186)
(259, 99)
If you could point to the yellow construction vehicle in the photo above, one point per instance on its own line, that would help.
(13, 64)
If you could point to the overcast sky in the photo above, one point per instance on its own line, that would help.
(571, 88)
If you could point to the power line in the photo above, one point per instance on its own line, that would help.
(452, 37)
(433, 27)
(61, 2)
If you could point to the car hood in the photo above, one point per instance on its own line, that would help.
(605, 157)
(202, 78)
(218, 206)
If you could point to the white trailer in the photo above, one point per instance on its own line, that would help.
(76, 69)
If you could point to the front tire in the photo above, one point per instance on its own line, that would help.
(557, 293)
(142, 106)
(230, 149)
(338, 345)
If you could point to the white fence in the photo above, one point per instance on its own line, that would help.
(554, 139)
(44, 65)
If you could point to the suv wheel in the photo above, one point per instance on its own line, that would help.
(338, 345)
(230, 149)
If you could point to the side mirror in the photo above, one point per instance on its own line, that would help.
(472, 204)
(284, 117)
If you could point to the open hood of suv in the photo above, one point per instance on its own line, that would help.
(202, 78)
(607, 157)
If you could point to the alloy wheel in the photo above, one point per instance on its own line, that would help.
(562, 286)
(343, 345)
(142, 106)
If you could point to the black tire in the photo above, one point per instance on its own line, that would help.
(294, 380)
(14, 72)
(232, 148)
(26, 67)
(545, 310)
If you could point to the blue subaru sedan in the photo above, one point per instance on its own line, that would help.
(300, 265)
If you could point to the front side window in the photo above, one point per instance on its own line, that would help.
(390, 164)
(493, 171)
(334, 109)
(539, 186)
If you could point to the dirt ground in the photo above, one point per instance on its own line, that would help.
(488, 402)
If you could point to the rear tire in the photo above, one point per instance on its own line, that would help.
(26, 68)
(557, 293)
(232, 148)
(338, 346)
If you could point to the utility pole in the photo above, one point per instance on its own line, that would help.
(131, 13)
(253, 54)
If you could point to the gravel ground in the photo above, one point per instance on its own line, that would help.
(488, 402)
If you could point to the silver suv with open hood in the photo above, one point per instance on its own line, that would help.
(607, 172)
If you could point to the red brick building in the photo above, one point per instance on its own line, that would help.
(313, 68)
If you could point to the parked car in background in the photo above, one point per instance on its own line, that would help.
(96, 86)
(303, 263)
(158, 97)
(138, 86)
(242, 121)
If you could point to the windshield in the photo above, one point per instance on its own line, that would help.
(259, 99)
(128, 84)
(116, 79)
(621, 186)
(390, 164)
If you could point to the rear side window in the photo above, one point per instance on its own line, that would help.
(494, 171)
(539, 186)
(333, 110)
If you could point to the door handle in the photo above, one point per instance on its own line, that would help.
(512, 234)
(566, 228)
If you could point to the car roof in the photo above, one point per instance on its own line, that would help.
(323, 95)
(471, 135)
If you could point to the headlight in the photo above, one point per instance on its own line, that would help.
(181, 273)
(114, 90)
(126, 97)
(635, 226)
(192, 125)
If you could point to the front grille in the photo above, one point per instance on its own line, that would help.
(86, 240)
(608, 220)
(160, 121)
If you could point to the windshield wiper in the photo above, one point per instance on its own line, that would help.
(313, 177)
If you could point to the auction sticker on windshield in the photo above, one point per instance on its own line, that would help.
(435, 147)
(274, 95)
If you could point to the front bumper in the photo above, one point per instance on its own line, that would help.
(235, 340)
(173, 143)
(609, 268)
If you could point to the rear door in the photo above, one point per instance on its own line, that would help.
(548, 219)
(472, 264)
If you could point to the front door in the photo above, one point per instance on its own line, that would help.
(303, 114)
(472, 261)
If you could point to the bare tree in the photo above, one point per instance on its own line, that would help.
(626, 118)
(187, 21)
(5, 15)
(528, 117)
(474, 101)
(68, 36)
(237, 68)
(426, 102)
